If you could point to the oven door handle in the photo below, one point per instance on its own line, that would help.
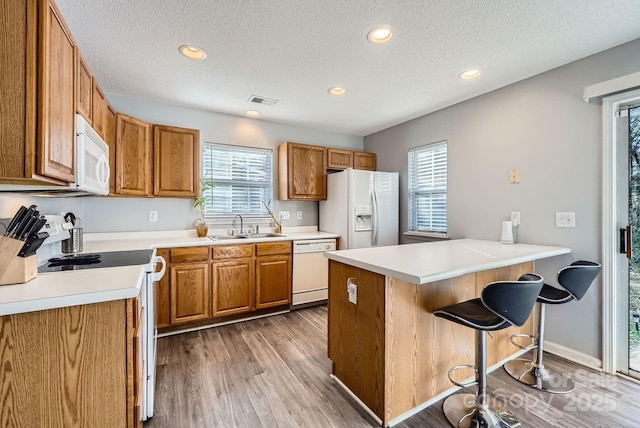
(157, 276)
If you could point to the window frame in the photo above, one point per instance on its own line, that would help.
(412, 191)
(261, 217)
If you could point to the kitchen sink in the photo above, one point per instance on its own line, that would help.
(245, 236)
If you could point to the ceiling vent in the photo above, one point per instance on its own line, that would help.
(262, 100)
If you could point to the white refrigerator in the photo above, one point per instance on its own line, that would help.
(362, 206)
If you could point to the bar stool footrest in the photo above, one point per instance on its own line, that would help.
(459, 367)
(533, 338)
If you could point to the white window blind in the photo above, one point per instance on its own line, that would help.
(428, 188)
(241, 178)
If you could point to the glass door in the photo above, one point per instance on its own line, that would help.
(632, 240)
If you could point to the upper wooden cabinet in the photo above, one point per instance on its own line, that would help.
(84, 88)
(362, 160)
(343, 159)
(110, 139)
(176, 161)
(339, 159)
(99, 105)
(133, 156)
(302, 172)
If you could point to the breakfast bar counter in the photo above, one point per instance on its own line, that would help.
(388, 349)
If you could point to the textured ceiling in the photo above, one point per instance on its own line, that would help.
(294, 50)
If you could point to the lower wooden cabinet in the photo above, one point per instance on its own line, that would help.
(209, 283)
(233, 286)
(273, 281)
(190, 292)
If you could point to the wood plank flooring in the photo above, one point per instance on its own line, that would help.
(274, 372)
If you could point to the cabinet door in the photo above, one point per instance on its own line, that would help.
(56, 145)
(133, 156)
(233, 286)
(110, 139)
(190, 292)
(163, 297)
(176, 160)
(302, 172)
(84, 89)
(273, 281)
(362, 160)
(339, 159)
(98, 109)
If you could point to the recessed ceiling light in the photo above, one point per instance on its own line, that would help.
(472, 73)
(380, 34)
(337, 90)
(252, 113)
(192, 52)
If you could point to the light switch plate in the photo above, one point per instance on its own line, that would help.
(514, 176)
(284, 215)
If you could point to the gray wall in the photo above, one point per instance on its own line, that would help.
(542, 127)
(108, 214)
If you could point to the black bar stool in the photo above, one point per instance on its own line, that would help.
(502, 304)
(576, 279)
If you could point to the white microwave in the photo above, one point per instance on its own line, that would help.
(92, 160)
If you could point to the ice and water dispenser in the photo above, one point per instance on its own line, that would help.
(363, 217)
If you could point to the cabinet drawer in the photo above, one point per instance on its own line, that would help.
(231, 251)
(269, 248)
(189, 254)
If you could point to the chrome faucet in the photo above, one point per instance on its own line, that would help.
(233, 224)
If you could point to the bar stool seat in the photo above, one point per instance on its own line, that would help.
(576, 280)
(501, 305)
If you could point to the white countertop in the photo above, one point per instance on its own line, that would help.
(434, 261)
(70, 288)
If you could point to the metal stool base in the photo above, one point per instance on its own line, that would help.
(462, 411)
(543, 379)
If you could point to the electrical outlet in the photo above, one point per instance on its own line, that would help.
(352, 290)
(299, 215)
(565, 219)
(514, 176)
(284, 215)
(515, 218)
(153, 216)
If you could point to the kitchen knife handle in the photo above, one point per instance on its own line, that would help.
(15, 220)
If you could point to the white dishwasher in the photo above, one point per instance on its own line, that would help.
(310, 271)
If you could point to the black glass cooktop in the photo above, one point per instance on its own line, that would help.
(96, 260)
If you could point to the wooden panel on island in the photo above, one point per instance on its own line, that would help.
(390, 350)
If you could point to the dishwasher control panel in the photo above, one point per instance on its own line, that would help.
(314, 246)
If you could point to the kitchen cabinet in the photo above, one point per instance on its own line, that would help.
(339, 158)
(362, 160)
(110, 139)
(233, 279)
(98, 109)
(133, 156)
(244, 278)
(273, 274)
(176, 154)
(71, 366)
(190, 285)
(84, 88)
(342, 159)
(302, 172)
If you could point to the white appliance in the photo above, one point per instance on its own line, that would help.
(362, 206)
(310, 271)
(149, 334)
(92, 160)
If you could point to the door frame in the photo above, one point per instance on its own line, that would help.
(611, 286)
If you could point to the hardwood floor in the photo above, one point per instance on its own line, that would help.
(274, 372)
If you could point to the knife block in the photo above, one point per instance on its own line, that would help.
(14, 269)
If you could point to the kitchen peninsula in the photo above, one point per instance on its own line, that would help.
(387, 347)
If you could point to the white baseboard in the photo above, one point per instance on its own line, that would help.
(573, 355)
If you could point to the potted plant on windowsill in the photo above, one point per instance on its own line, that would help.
(201, 224)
